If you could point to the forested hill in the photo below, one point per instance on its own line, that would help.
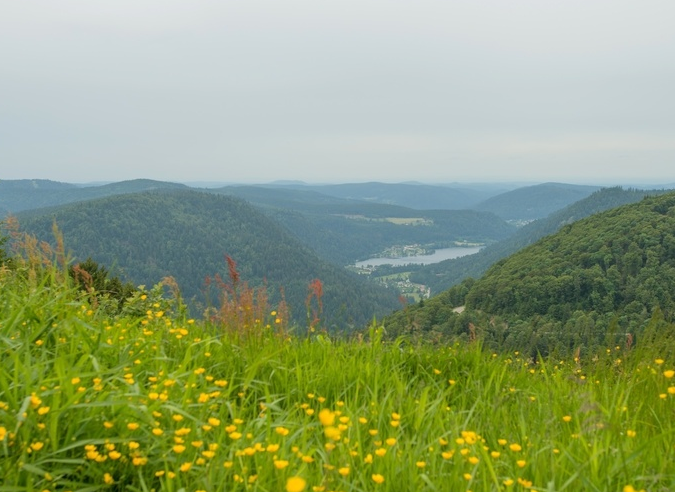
(611, 271)
(534, 202)
(445, 274)
(186, 234)
(617, 260)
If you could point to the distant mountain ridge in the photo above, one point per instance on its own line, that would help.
(33, 184)
(535, 202)
(415, 196)
(19, 195)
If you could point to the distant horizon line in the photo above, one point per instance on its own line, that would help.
(290, 182)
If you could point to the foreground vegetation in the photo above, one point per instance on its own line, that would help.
(98, 396)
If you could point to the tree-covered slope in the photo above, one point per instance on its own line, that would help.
(610, 272)
(445, 274)
(534, 202)
(186, 234)
(622, 259)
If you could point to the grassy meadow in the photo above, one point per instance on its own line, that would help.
(145, 398)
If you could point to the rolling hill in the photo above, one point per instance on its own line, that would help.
(186, 234)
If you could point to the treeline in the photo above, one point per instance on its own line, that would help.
(599, 280)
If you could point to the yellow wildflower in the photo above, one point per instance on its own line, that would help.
(139, 461)
(282, 431)
(295, 484)
(326, 417)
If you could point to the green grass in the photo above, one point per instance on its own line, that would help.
(150, 400)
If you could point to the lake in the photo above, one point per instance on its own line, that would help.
(438, 255)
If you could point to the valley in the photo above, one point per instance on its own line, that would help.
(360, 234)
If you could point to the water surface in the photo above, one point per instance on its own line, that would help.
(438, 255)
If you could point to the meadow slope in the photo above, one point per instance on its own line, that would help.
(150, 399)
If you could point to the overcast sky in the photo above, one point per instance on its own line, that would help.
(338, 91)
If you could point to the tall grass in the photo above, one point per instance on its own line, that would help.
(150, 400)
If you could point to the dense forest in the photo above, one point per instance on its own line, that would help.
(144, 237)
(599, 280)
(443, 275)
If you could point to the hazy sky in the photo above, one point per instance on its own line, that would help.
(348, 90)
